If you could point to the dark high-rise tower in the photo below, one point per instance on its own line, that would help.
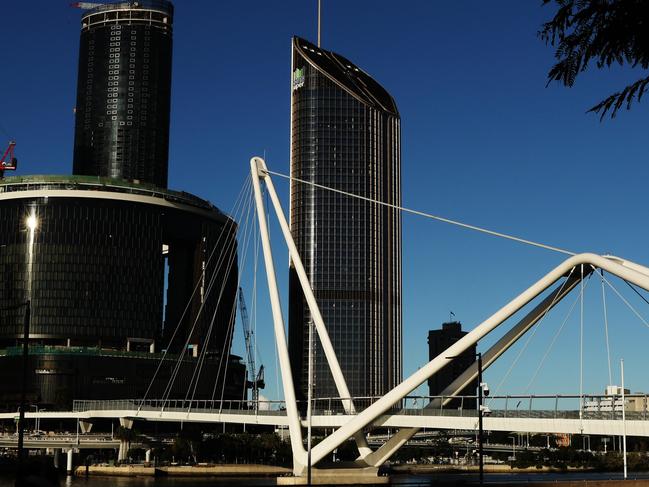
(438, 342)
(123, 92)
(345, 133)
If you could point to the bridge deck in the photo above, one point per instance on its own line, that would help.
(533, 421)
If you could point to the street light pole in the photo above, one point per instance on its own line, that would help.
(482, 390)
(623, 418)
(309, 403)
(23, 391)
(480, 417)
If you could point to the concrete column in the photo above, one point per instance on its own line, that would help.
(68, 468)
(147, 456)
(123, 450)
(57, 451)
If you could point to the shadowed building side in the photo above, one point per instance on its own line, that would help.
(345, 133)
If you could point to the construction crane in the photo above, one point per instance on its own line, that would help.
(8, 162)
(255, 378)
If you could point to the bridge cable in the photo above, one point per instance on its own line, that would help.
(529, 338)
(232, 252)
(209, 334)
(623, 299)
(608, 347)
(245, 245)
(257, 354)
(230, 333)
(554, 338)
(636, 291)
(178, 366)
(427, 215)
(253, 311)
(251, 231)
(231, 321)
(184, 313)
(229, 246)
(581, 348)
(225, 231)
(226, 338)
(227, 250)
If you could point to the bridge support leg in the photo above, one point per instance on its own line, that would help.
(85, 426)
(389, 448)
(124, 443)
(321, 328)
(68, 468)
(57, 452)
(122, 455)
(294, 425)
(147, 456)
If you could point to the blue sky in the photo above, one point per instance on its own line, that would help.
(484, 141)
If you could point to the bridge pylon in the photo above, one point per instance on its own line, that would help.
(573, 269)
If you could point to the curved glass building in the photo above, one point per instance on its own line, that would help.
(118, 268)
(123, 92)
(345, 134)
(112, 270)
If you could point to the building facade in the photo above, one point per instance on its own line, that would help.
(438, 342)
(123, 92)
(131, 286)
(114, 270)
(345, 134)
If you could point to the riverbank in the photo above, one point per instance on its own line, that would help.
(239, 470)
(489, 468)
(345, 474)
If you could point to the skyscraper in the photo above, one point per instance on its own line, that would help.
(438, 342)
(123, 92)
(345, 133)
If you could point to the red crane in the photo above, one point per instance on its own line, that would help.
(8, 162)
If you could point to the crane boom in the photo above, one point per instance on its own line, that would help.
(8, 161)
(255, 379)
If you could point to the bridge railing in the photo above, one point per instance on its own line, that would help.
(181, 405)
(511, 406)
(518, 406)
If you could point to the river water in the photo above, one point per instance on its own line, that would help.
(401, 480)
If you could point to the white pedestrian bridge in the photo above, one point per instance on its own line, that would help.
(531, 414)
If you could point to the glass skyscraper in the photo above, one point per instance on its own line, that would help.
(123, 92)
(345, 134)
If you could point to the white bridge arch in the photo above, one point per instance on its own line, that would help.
(573, 269)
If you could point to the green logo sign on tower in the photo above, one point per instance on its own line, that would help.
(298, 78)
